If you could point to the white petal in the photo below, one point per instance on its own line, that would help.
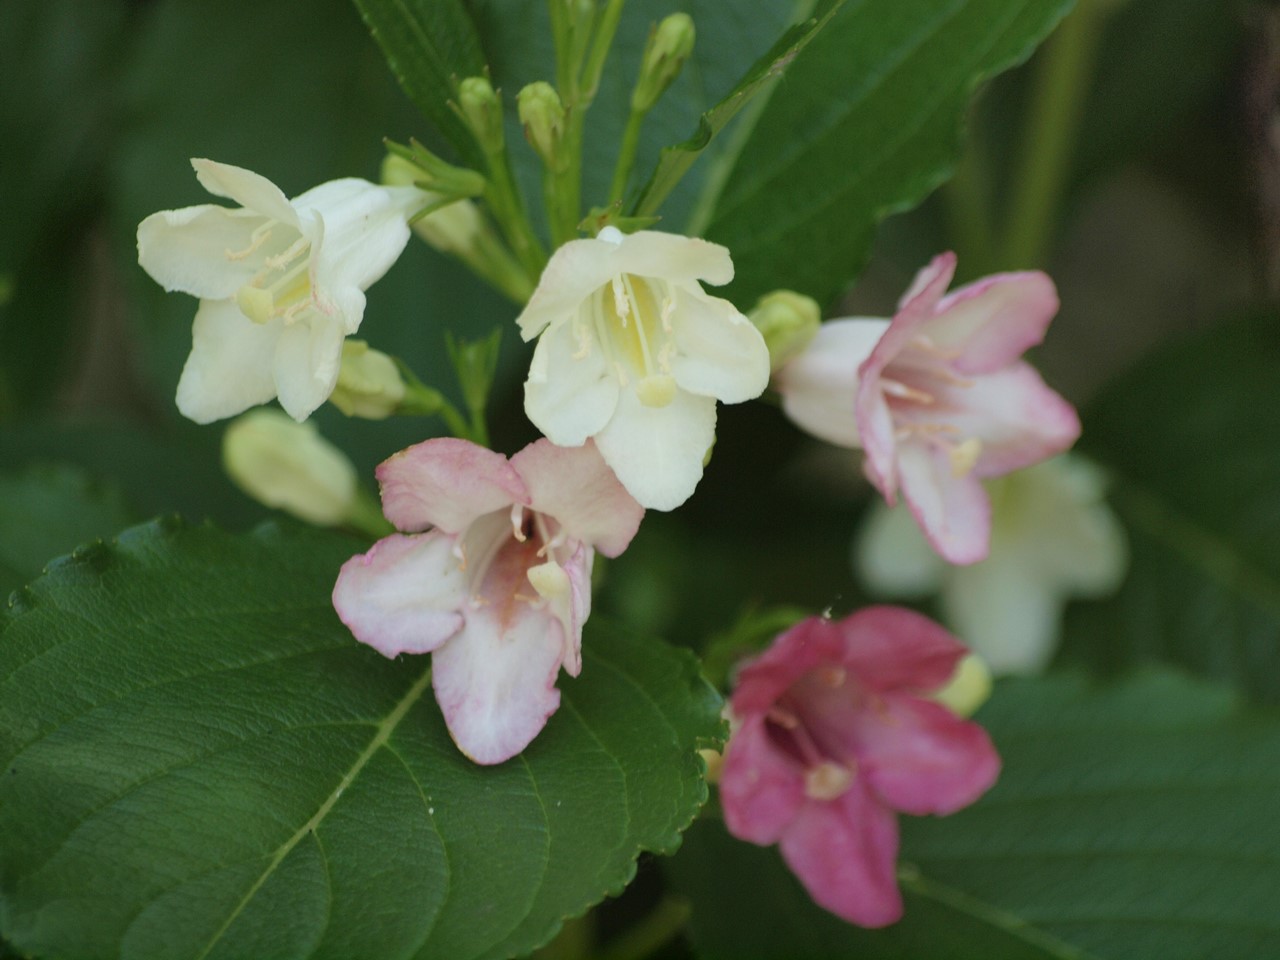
(187, 249)
(404, 595)
(819, 387)
(569, 397)
(251, 190)
(229, 368)
(576, 270)
(495, 680)
(366, 229)
(657, 452)
(1005, 612)
(669, 256)
(953, 512)
(719, 352)
(305, 367)
(892, 556)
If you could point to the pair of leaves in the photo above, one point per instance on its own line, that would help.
(199, 761)
(1129, 821)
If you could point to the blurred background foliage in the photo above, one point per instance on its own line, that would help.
(1159, 216)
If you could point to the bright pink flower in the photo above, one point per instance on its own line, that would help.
(835, 736)
(938, 397)
(499, 588)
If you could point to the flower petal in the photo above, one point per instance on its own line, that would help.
(811, 643)
(495, 680)
(921, 758)
(569, 395)
(1006, 611)
(819, 387)
(953, 512)
(576, 487)
(366, 229)
(187, 249)
(657, 452)
(719, 352)
(761, 788)
(251, 190)
(576, 270)
(229, 368)
(892, 648)
(305, 368)
(404, 595)
(929, 283)
(446, 483)
(892, 557)
(995, 321)
(844, 852)
(676, 258)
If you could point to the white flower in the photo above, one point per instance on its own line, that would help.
(1053, 537)
(280, 283)
(635, 354)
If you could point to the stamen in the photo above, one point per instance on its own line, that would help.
(964, 457)
(923, 343)
(478, 600)
(902, 391)
(827, 781)
(621, 304)
(517, 522)
(782, 717)
(283, 259)
(668, 308)
(460, 552)
(832, 676)
(256, 240)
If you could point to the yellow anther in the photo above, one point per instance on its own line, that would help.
(964, 456)
(255, 303)
(827, 781)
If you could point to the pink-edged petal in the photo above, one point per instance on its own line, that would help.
(811, 643)
(446, 483)
(991, 323)
(930, 282)
(917, 307)
(229, 368)
(495, 680)
(404, 595)
(576, 487)
(819, 387)
(305, 368)
(571, 392)
(657, 452)
(187, 250)
(877, 436)
(761, 788)
(921, 758)
(893, 648)
(719, 352)
(844, 851)
(251, 190)
(573, 612)
(954, 512)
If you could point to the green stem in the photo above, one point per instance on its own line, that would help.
(1056, 108)
(508, 209)
(660, 927)
(626, 155)
(366, 516)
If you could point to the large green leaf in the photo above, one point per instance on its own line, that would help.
(1130, 822)
(866, 124)
(1193, 447)
(199, 761)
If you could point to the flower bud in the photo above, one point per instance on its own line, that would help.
(670, 45)
(369, 383)
(482, 110)
(788, 321)
(289, 466)
(968, 688)
(542, 115)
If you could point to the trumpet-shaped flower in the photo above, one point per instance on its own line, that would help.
(635, 354)
(498, 586)
(835, 735)
(281, 283)
(1052, 537)
(938, 397)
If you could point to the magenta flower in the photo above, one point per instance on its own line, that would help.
(835, 737)
(500, 585)
(938, 397)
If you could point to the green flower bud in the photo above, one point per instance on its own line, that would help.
(670, 45)
(968, 688)
(542, 115)
(369, 383)
(480, 107)
(289, 466)
(788, 321)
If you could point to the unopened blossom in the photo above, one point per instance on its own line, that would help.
(1053, 537)
(938, 397)
(491, 575)
(836, 737)
(634, 353)
(281, 283)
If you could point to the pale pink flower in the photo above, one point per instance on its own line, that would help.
(835, 735)
(938, 397)
(499, 584)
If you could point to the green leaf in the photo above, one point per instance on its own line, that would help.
(1195, 476)
(429, 46)
(674, 162)
(1131, 821)
(199, 761)
(47, 511)
(866, 124)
